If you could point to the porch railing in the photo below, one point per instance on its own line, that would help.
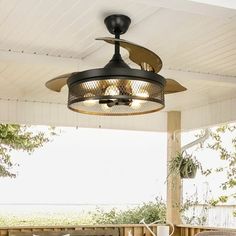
(125, 230)
(190, 230)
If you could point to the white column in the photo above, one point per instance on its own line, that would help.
(174, 186)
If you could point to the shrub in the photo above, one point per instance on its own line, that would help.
(150, 211)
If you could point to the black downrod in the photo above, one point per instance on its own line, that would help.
(117, 25)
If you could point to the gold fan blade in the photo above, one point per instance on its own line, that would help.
(144, 57)
(57, 83)
(172, 86)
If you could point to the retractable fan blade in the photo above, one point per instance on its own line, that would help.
(57, 83)
(143, 57)
(172, 86)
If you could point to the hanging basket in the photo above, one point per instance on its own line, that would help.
(184, 165)
(188, 171)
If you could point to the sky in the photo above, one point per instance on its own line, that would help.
(99, 166)
(91, 166)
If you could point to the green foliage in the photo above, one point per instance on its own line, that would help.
(150, 211)
(219, 143)
(184, 165)
(17, 137)
(227, 153)
(189, 210)
(40, 219)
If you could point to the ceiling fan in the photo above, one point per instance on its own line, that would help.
(118, 89)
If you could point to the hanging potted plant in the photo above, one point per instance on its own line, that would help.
(185, 165)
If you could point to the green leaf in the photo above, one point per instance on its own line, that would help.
(18, 137)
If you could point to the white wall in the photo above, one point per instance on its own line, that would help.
(209, 115)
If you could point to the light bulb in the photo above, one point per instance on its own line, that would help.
(112, 90)
(143, 94)
(90, 102)
(136, 104)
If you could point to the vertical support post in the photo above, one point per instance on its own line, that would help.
(174, 185)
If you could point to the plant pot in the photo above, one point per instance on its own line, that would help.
(188, 172)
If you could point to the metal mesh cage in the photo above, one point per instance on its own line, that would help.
(116, 96)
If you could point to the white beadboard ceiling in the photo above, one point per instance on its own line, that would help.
(40, 39)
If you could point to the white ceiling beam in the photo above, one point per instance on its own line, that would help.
(78, 64)
(188, 75)
(70, 64)
(221, 3)
(191, 7)
(25, 58)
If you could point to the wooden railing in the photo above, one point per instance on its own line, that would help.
(190, 230)
(125, 230)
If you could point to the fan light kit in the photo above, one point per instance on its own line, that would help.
(117, 89)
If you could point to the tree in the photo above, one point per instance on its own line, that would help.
(219, 143)
(222, 142)
(18, 137)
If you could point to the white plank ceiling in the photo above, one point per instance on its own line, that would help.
(40, 39)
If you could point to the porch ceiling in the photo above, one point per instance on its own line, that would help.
(41, 39)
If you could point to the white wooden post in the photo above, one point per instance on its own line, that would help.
(174, 186)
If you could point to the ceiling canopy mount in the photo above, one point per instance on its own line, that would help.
(117, 24)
